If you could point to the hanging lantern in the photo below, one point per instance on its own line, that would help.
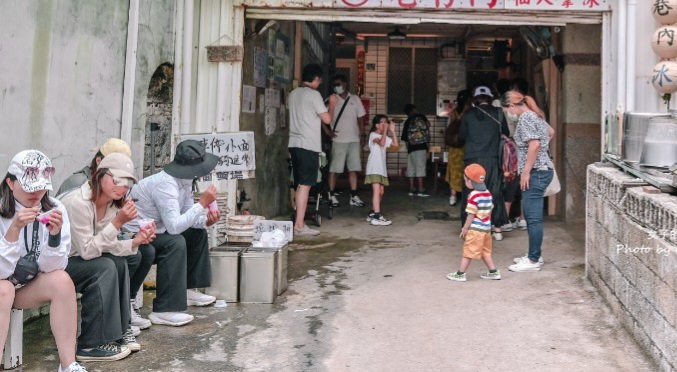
(665, 11)
(665, 77)
(664, 43)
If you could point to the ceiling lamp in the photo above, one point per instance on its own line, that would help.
(397, 34)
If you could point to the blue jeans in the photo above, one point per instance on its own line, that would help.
(532, 198)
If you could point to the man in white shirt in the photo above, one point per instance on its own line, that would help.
(307, 112)
(181, 243)
(348, 138)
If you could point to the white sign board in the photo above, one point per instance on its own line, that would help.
(261, 226)
(235, 150)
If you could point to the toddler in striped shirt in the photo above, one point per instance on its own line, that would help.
(477, 228)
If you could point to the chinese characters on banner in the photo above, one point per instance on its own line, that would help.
(590, 5)
(235, 151)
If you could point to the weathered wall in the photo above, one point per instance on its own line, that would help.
(580, 112)
(269, 191)
(631, 257)
(62, 88)
(62, 70)
(155, 47)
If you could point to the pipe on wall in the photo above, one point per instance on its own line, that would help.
(631, 55)
(621, 56)
(178, 75)
(128, 87)
(186, 77)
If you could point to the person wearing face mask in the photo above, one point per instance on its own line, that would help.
(181, 243)
(481, 129)
(348, 136)
(34, 245)
(532, 137)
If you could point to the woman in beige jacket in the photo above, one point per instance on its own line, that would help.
(98, 264)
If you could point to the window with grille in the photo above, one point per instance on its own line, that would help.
(412, 78)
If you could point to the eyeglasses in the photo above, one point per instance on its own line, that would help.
(33, 172)
(119, 181)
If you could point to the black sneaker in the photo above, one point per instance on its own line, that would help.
(106, 352)
(413, 192)
(129, 341)
(423, 194)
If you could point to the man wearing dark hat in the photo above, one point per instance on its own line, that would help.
(181, 243)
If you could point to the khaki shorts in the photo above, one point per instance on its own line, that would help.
(416, 162)
(477, 244)
(345, 153)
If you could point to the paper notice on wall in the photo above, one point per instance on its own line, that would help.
(248, 99)
(262, 104)
(283, 116)
(260, 67)
(272, 98)
(271, 120)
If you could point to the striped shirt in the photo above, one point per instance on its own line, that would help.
(480, 204)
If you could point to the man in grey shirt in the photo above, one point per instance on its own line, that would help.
(307, 112)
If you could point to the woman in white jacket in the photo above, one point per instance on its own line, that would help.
(33, 225)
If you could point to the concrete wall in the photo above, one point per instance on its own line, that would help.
(155, 47)
(631, 257)
(62, 88)
(269, 191)
(580, 112)
(62, 72)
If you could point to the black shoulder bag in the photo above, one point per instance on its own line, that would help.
(326, 139)
(27, 267)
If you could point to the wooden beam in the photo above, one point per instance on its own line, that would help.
(298, 50)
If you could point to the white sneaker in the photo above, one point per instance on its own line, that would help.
(197, 298)
(380, 221)
(135, 330)
(137, 319)
(526, 257)
(306, 231)
(507, 227)
(334, 201)
(171, 319)
(74, 367)
(525, 265)
(355, 201)
(520, 224)
(452, 200)
(497, 236)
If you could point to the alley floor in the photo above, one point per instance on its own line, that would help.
(367, 299)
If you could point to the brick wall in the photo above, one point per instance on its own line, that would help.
(631, 257)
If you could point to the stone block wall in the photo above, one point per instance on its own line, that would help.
(631, 257)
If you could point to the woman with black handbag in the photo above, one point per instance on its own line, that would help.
(34, 252)
(481, 129)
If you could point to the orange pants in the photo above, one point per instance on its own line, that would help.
(477, 244)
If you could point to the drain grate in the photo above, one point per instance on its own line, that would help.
(434, 215)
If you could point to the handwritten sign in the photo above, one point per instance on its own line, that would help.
(235, 151)
(261, 226)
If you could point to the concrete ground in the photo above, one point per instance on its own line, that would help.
(365, 298)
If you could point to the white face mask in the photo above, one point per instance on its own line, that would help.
(339, 89)
(512, 117)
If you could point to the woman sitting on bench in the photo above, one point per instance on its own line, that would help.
(34, 252)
